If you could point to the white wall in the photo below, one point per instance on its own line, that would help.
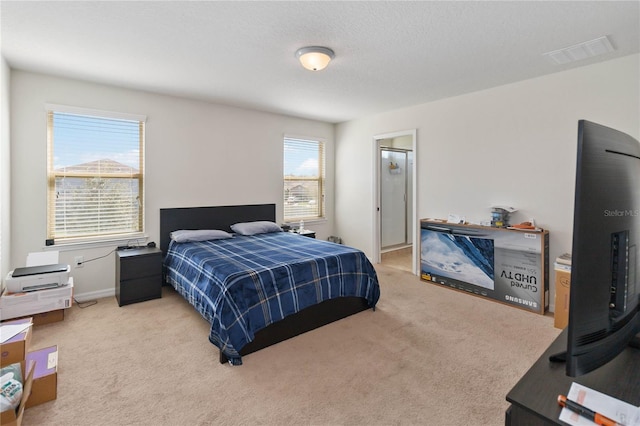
(513, 145)
(5, 168)
(197, 154)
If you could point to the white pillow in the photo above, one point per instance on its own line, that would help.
(187, 235)
(257, 227)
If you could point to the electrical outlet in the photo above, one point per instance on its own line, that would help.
(79, 261)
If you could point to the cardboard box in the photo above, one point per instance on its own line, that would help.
(48, 317)
(14, 417)
(507, 265)
(45, 317)
(16, 305)
(45, 376)
(563, 282)
(15, 349)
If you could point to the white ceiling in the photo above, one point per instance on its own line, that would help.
(389, 54)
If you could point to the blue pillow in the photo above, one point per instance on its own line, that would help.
(257, 227)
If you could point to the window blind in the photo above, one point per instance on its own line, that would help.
(304, 179)
(95, 170)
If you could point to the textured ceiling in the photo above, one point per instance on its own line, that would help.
(389, 55)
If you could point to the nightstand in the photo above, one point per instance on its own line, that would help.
(305, 232)
(138, 275)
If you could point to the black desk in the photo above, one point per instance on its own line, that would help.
(534, 398)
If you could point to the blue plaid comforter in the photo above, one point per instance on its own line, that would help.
(242, 284)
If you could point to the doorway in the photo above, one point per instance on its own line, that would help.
(395, 200)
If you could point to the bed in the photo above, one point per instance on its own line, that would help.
(261, 289)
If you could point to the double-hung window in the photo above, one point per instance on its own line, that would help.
(304, 179)
(95, 172)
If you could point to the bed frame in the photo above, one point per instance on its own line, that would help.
(222, 217)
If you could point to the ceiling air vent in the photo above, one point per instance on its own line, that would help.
(580, 51)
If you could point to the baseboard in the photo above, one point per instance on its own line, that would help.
(92, 295)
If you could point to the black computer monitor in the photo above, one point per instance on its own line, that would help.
(604, 316)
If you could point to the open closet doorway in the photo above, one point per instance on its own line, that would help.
(395, 200)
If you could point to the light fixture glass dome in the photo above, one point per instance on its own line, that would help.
(315, 58)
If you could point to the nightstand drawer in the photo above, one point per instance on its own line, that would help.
(134, 264)
(138, 290)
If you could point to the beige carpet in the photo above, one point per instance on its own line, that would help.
(426, 356)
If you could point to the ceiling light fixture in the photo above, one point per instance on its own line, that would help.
(315, 58)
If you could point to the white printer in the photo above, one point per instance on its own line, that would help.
(31, 278)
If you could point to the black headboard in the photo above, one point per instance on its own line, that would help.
(215, 217)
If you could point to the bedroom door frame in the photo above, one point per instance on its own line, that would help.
(377, 220)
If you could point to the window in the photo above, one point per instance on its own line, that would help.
(95, 171)
(303, 179)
